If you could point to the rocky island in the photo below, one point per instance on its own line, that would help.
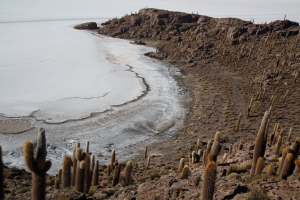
(240, 139)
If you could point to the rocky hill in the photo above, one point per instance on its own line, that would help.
(235, 71)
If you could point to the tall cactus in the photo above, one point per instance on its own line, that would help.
(116, 173)
(66, 172)
(127, 173)
(1, 175)
(288, 166)
(87, 177)
(74, 168)
(209, 180)
(37, 164)
(260, 143)
(113, 158)
(95, 174)
(79, 179)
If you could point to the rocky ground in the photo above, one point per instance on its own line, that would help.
(226, 64)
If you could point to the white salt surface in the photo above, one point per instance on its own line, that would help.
(80, 86)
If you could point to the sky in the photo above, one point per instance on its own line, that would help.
(260, 10)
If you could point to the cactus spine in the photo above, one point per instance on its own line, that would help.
(1, 175)
(260, 143)
(209, 179)
(95, 174)
(37, 164)
(66, 172)
(127, 173)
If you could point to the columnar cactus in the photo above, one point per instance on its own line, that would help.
(278, 145)
(37, 164)
(270, 170)
(116, 173)
(79, 179)
(297, 168)
(185, 172)
(181, 165)
(113, 158)
(146, 152)
(288, 166)
(216, 146)
(108, 169)
(1, 175)
(95, 174)
(74, 168)
(66, 172)
(209, 180)
(259, 166)
(127, 173)
(87, 177)
(260, 143)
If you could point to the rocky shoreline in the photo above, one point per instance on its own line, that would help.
(235, 70)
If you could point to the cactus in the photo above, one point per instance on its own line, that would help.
(259, 166)
(1, 175)
(113, 158)
(87, 177)
(230, 149)
(79, 179)
(224, 158)
(290, 134)
(288, 164)
(116, 173)
(193, 157)
(87, 146)
(66, 172)
(285, 151)
(108, 169)
(95, 174)
(146, 152)
(260, 143)
(37, 164)
(270, 170)
(216, 147)
(148, 161)
(278, 145)
(297, 168)
(229, 170)
(127, 173)
(239, 122)
(74, 168)
(209, 180)
(185, 172)
(181, 165)
(296, 147)
(56, 183)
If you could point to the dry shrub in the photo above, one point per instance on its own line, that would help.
(257, 193)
